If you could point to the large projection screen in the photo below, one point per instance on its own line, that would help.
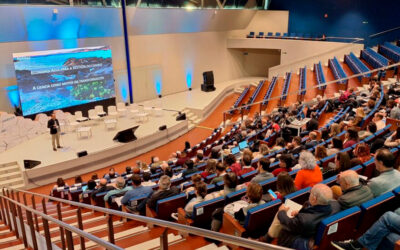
(56, 79)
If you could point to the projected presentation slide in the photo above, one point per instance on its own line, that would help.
(56, 79)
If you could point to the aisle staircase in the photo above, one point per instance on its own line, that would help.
(11, 175)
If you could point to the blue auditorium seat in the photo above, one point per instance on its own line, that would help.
(202, 212)
(278, 34)
(247, 177)
(260, 34)
(269, 34)
(251, 34)
(235, 196)
(268, 184)
(340, 226)
(369, 168)
(300, 196)
(169, 205)
(373, 209)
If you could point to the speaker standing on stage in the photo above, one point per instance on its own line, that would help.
(54, 126)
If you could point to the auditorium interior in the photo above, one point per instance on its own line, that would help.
(199, 124)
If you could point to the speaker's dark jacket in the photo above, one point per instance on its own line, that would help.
(50, 125)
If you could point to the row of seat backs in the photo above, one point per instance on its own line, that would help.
(353, 222)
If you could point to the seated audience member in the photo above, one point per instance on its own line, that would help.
(128, 170)
(78, 180)
(187, 146)
(173, 158)
(354, 193)
(91, 186)
(190, 169)
(351, 138)
(137, 190)
(119, 188)
(196, 178)
(182, 159)
(263, 150)
(230, 185)
(144, 167)
(94, 177)
(111, 174)
(146, 180)
(335, 147)
(199, 157)
(371, 129)
(153, 170)
(377, 144)
(313, 124)
(360, 115)
(263, 171)
(285, 164)
(254, 193)
(378, 119)
(221, 171)
(297, 231)
(215, 153)
(309, 174)
(297, 146)
(393, 140)
(383, 234)
(284, 185)
(335, 130)
(210, 168)
(362, 152)
(342, 163)
(395, 112)
(279, 144)
(103, 187)
(232, 164)
(312, 141)
(60, 183)
(164, 191)
(320, 152)
(317, 106)
(389, 177)
(201, 193)
(155, 161)
(246, 165)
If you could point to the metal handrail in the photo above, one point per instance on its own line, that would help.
(62, 224)
(384, 32)
(317, 86)
(242, 242)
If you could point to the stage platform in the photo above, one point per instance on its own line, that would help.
(102, 150)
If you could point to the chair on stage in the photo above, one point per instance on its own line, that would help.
(79, 117)
(93, 115)
(112, 111)
(100, 111)
(110, 123)
(72, 124)
(121, 108)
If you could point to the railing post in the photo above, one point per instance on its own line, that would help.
(21, 221)
(3, 211)
(224, 116)
(14, 215)
(47, 233)
(80, 225)
(59, 215)
(70, 240)
(35, 216)
(32, 228)
(6, 207)
(44, 206)
(110, 229)
(164, 240)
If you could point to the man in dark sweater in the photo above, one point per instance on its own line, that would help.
(298, 231)
(190, 168)
(164, 191)
(54, 127)
(354, 193)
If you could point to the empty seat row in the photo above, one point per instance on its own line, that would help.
(390, 51)
(337, 70)
(319, 74)
(286, 86)
(373, 58)
(303, 81)
(255, 93)
(356, 65)
(240, 99)
(270, 90)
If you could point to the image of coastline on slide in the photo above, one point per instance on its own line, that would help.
(55, 81)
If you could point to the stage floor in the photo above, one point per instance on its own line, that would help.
(101, 143)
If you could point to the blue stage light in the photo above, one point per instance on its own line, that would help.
(189, 79)
(13, 95)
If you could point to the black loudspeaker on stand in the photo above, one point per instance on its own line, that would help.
(29, 164)
(126, 135)
(208, 82)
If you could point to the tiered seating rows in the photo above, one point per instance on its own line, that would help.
(270, 90)
(279, 35)
(390, 51)
(240, 98)
(286, 85)
(303, 81)
(373, 58)
(319, 73)
(356, 65)
(337, 70)
(255, 94)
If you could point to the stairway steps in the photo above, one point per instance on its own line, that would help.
(155, 243)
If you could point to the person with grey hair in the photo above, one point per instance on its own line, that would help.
(310, 173)
(298, 230)
(164, 191)
(120, 188)
(354, 193)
